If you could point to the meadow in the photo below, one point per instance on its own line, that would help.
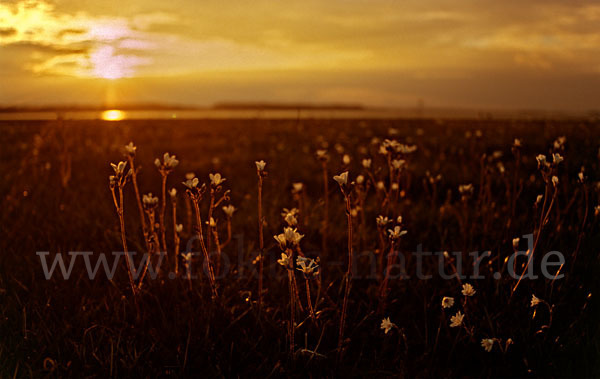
(338, 302)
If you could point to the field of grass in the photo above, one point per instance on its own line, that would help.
(55, 197)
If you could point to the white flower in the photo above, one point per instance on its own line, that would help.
(173, 192)
(307, 266)
(447, 302)
(555, 181)
(535, 300)
(382, 221)
(119, 168)
(398, 163)
(228, 210)
(386, 325)
(292, 235)
(516, 242)
(465, 189)
(360, 179)
(341, 179)
(541, 159)
(149, 200)
(280, 238)
(557, 158)
(284, 260)
(290, 219)
(346, 159)
(456, 320)
(366, 163)
(170, 161)
(487, 344)
(322, 155)
(130, 148)
(538, 199)
(191, 183)
(297, 187)
(260, 165)
(468, 290)
(399, 219)
(216, 179)
(179, 228)
(397, 232)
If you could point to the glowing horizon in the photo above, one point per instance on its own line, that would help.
(476, 53)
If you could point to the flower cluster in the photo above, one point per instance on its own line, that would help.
(169, 163)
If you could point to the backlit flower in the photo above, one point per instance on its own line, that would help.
(130, 148)
(228, 210)
(386, 325)
(341, 179)
(468, 290)
(487, 344)
(456, 320)
(284, 260)
(216, 179)
(260, 165)
(535, 300)
(447, 302)
(366, 163)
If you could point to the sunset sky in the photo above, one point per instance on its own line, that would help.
(468, 53)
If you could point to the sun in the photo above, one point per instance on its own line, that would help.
(113, 115)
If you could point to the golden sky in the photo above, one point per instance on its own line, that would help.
(469, 53)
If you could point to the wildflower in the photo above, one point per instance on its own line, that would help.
(399, 219)
(179, 228)
(541, 159)
(280, 238)
(212, 222)
(297, 187)
(260, 165)
(447, 302)
(360, 179)
(292, 235)
(189, 176)
(380, 185)
(555, 181)
(173, 192)
(516, 242)
(456, 320)
(560, 142)
(169, 162)
(366, 163)
(395, 186)
(112, 180)
(468, 290)
(290, 219)
(341, 179)
(465, 189)
(130, 148)
(119, 168)
(397, 232)
(386, 325)
(149, 200)
(398, 163)
(346, 159)
(538, 199)
(517, 142)
(557, 158)
(487, 344)
(228, 210)
(382, 221)
(307, 266)
(535, 301)
(191, 183)
(216, 179)
(293, 212)
(284, 260)
(322, 155)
